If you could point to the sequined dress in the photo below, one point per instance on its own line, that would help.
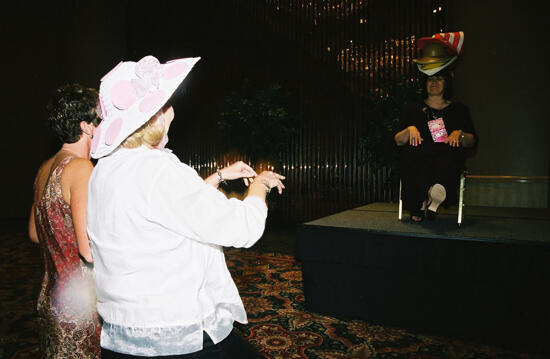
(68, 322)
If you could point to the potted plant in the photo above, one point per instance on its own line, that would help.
(377, 147)
(258, 123)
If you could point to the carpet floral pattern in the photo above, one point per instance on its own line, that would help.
(271, 288)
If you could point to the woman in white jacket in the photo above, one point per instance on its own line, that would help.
(157, 229)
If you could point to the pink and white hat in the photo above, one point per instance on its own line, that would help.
(131, 93)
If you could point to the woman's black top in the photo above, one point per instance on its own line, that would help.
(456, 116)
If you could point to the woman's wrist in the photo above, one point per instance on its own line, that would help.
(220, 177)
(262, 182)
(258, 189)
(266, 185)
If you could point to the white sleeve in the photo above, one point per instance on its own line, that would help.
(182, 202)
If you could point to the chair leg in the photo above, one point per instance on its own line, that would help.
(461, 198)
(400, 214)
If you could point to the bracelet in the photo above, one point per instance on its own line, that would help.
(220, 177)
(267, 188)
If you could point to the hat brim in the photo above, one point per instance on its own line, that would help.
(431, 60)
(124, 116)
(433, 65)
(433, 71)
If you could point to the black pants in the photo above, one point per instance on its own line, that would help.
(421, 171)
(232, 347)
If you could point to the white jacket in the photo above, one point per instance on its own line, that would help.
(157, 231)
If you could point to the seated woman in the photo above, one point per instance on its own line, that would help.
(158, 230)
(434, 134)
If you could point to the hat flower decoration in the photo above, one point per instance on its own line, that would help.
(133, 92)
(439, 51)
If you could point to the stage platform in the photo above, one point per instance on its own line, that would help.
(487, 280)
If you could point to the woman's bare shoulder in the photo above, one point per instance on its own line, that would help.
(78, 167)
(79, 162)
(44, 170)
(42, 176)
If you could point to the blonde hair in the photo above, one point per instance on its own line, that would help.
(150, 133)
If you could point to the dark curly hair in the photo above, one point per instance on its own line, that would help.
(70, 105)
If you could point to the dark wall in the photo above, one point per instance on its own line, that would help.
(47, 44)
(503, 77)
(232, 48)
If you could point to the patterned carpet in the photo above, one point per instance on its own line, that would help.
(271, 287)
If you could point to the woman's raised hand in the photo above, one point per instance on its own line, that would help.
(238, 170)
(271, 180)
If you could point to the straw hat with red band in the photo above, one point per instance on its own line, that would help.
(131, 93)
(439, 51)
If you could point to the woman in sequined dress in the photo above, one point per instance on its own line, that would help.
(68, 322)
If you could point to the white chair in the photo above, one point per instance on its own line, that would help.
(462, 188)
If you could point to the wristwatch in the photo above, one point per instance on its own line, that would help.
(462, 135)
